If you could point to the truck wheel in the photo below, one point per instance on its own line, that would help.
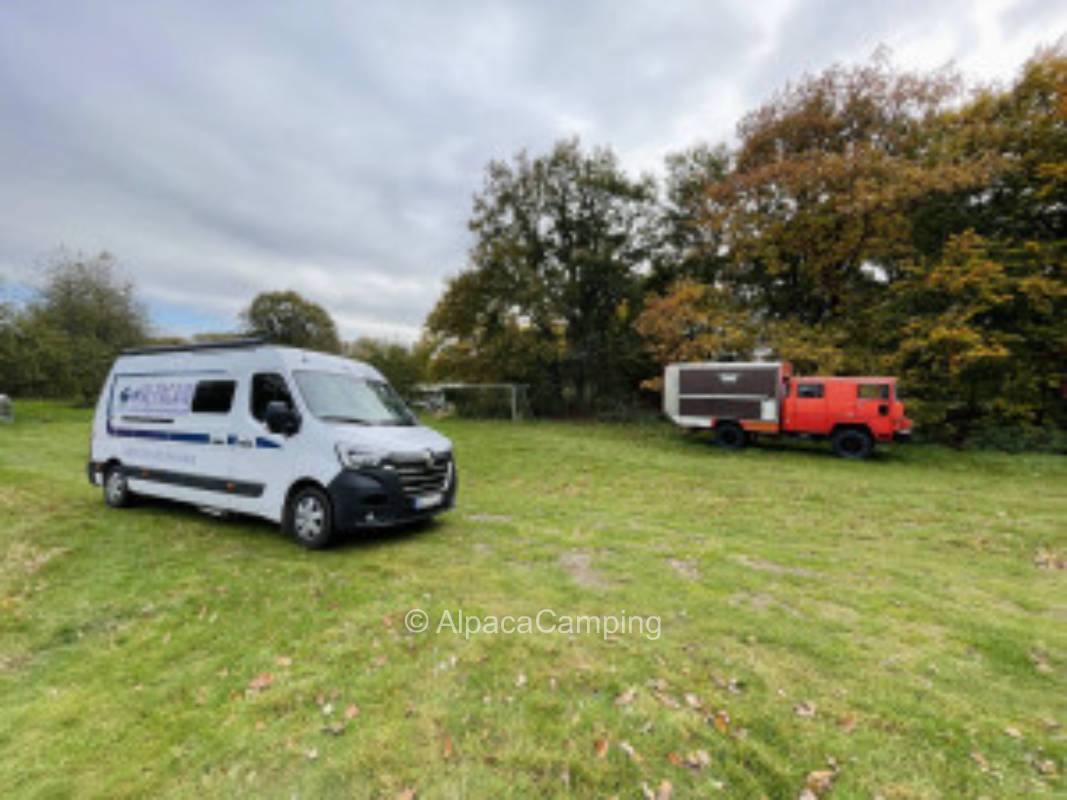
(730, 435)
(309, 518)
(852, 443)
(117, 492)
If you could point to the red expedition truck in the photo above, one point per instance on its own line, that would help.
(741, 400)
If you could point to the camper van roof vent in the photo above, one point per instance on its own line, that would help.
(222, 344)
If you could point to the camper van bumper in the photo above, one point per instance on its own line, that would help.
(367, 499)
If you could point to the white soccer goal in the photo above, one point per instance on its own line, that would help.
(484, 400)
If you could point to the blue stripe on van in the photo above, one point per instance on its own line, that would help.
(165, 436)
(264, 442)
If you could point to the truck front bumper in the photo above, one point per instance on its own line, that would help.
(369, 499)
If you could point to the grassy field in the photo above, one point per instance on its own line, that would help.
(895, 628)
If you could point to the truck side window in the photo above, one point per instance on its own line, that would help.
(873, 391)
(809, 390)
(266, 388)
(213, 397)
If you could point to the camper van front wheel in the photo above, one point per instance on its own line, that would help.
(116, 490)
(309, 517)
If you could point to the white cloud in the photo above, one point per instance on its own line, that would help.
(225, 149)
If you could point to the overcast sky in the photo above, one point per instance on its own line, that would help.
(220, 149)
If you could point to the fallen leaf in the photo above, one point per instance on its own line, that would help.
(601, 747)
(698, 759)
(283, 661)
(692, 700)
(663, 792)
(980, 760)
(352, 711)
(1046, 766)
(807, 794)
(335, 728)
(520, 679)
(656, 683)
(721, 720)
(1049, 559)
(313, 753)
(327, 709)
(674, 758)
(406, 794)
(627, 748)
(261, 682)
(446, 748)
(805, 709)
(847, 723)
(667, 700)
(626, 697)
(820, 780)
(1014, 733)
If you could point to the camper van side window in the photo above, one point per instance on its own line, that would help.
(266, 388)
(213, 397)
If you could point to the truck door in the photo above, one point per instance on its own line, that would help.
(806, 408)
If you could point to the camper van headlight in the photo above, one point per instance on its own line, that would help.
(354, 457)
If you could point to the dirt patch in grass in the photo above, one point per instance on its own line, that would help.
(26, 558)
(686, 569)
(490, 517)
(777, 569)
(761, 601)
(578, 564)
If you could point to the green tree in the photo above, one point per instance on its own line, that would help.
(287, 318)
(553, 284)
(82, 317)
(403, 365)
(685, 245)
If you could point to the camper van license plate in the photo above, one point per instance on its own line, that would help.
(428, 500)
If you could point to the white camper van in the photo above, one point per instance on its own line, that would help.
(316, 442)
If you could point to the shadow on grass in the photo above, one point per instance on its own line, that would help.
(817, 450)
(237, 526)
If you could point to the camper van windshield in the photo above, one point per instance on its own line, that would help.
(335, 397)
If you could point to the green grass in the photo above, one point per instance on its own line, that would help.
(898, 598)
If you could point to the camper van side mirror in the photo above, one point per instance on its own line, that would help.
(281, 419)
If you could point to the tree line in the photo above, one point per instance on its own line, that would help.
(868, 221)
(63, 341)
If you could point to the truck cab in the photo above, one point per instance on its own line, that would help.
(853, 412)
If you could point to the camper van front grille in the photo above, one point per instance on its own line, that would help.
(423, 475)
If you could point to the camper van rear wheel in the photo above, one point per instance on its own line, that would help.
(116, 489)
(730, 435)
(309, 517)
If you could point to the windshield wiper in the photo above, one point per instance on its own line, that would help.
(342, 418)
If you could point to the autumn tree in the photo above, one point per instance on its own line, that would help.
(552, 287)
(874, 221)
(287, 318)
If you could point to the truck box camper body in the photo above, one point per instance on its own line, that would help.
(739, 400)
(316, 442)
